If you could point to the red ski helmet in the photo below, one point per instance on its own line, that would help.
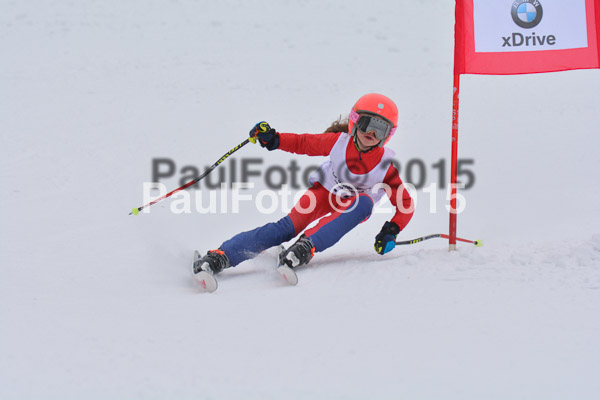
(377, 105)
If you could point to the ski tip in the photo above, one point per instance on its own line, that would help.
(206, 281)
(288, 274)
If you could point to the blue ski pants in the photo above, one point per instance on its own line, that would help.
(314, 204)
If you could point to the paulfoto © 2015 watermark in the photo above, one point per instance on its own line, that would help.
(229, 189)
(415, 171)
(269, 201)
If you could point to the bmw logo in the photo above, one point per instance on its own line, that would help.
(527, 13)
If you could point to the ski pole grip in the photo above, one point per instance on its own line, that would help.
(261, 127)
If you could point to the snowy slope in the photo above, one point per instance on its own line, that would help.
(98, 304)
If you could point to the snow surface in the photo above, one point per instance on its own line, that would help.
(97, 304)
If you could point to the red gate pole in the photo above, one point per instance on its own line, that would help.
(454, 162)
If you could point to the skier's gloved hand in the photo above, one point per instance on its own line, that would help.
(385, 241)
(265, 135)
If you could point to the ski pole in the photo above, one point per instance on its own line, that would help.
(439, 235)
(136, 210)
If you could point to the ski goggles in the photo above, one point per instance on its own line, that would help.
(371, 123)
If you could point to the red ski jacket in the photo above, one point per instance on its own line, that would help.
(358, 162)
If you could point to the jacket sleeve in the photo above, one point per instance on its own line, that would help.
(399, 197)
(309, 144)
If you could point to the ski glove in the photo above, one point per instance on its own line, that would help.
(385, 241)
(267, 136)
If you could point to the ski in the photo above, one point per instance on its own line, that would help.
(208, 283)
(288, 274)
(205, 280)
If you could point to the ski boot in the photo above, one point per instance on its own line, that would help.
(299, 253)
(206, 267)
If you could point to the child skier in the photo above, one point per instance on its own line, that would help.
(359, 171)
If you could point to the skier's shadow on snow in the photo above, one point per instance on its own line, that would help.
(355, 258)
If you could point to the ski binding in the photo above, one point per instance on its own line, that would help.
(288, 273)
